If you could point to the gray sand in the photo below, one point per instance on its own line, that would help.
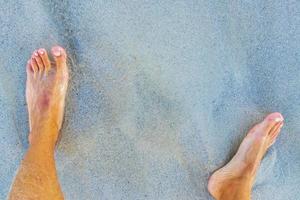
(161, 92)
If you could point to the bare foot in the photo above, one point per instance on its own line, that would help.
(45, 92)
(239, 173)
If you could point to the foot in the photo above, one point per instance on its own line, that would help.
(46, 88)
(241, 170)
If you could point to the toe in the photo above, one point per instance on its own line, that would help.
(29, 68)
(275, 129)
(34, 66)
(271, 121)
(275, 132)
(60, 57)
(45, 58)
(39, 61)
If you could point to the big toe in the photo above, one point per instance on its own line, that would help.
(272, 120)
(60, 56)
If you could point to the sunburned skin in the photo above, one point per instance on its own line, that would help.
(46, 88)
(235, 180)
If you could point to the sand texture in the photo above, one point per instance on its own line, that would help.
(161, 92)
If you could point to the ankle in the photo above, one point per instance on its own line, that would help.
(221, 186)
(231, 188)
(43, 121)
(46, 134)
(44, 126)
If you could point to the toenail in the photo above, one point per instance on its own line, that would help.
(57, 52)
(36, 54)
(278, 119)
(41, 51)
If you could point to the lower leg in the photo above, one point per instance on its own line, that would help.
(37, 178)
(234, 181)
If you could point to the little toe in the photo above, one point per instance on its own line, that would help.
(45, 58)
(29, 68)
